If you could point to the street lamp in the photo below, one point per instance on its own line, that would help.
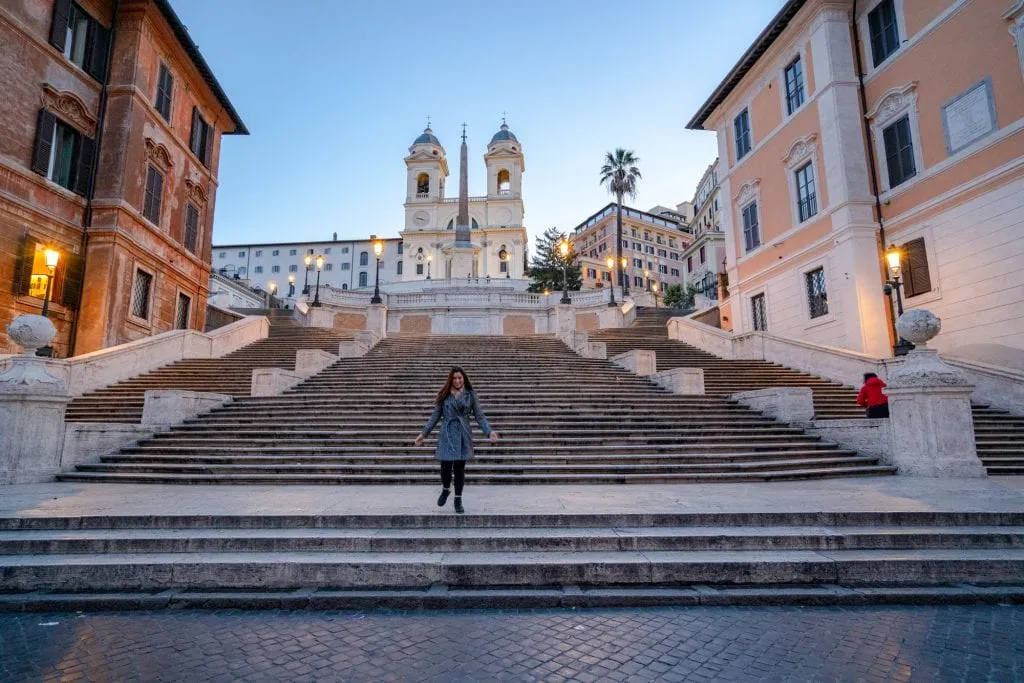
(506, 258)
(378, 251)
(654, 288)
(647, 278)
(893, 258)
(291, 285)
(625, 277)
(430, 257)
(51, 257)
(611, 276)
(305, 283)
(319, 267)
(563, 249)
(272, 286)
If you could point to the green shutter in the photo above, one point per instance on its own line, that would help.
(44, 142)
(74, 275)
(59, 27)
(23, 268)
(97, 47)
(83, 165)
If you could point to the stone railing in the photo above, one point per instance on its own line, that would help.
(996, 385)
(92, 371)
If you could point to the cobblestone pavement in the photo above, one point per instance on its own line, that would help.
(976, 643)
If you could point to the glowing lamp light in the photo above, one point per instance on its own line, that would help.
(319, 262)
(563, 248)
(378, 248)
(272, 286)
(610, 262)
(892, 256)
(52, 257)
(291, 278)
(308, 259)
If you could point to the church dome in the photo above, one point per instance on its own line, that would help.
(504, 134)
(427, 137)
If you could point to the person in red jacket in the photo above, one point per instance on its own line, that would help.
(871, 396)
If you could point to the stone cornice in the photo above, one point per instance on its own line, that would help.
(158, 154)
(892, 102)
(801, 149)
(747, 191)
(70, 107)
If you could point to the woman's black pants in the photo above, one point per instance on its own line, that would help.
(879, 411)
(459, 466)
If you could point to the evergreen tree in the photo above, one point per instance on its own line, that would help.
(546, 271)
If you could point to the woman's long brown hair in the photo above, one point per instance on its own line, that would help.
(447, 388)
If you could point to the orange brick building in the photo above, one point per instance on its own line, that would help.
(109, 146)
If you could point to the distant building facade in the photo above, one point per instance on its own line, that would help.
(652, 244)
(705, 257)
(844, 135)
(109, 149)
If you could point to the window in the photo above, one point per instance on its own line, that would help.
(258, 269)
(401, 248)
(241, 254)
(201, 140)
(806, 197)
(241, 270)
(663, 270)
(141, 291)
(662, 253)
(327, 266)
(181, 314)
(675, 272)
(362, 279)
(276, 252)
(638, 281)
(192, 227)
(885, 35)
(794, 86)
(817, 296)
(504, 182)
(689, 264)
(80, 38)
(751, 232)
(422, 185)
(648, 249)
(741, 128)
(899, 152)
(291, 252)
(363, 258)
(327, 251)
(346, 266)
(344, 250)
(295, 269)
(259, 252)
(637, 246)
(703, 255)
(638, 263)
(164, 92)
(419, 268)
(62, 154)
(398, 267)
(591, 274)
(758, 312)
(914, 264)
(222, 254)
(154, 195)
(275, 269)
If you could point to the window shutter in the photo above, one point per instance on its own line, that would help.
(83, 172)
(918, 278)
(74, 276)
(97, 46)
(23, 268)
(207, 145)
(44, 142)
(193, 142)
(59, 28)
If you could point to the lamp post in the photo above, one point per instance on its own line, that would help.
(611, 275)
(272, 287)
(893, 258)
(378, 250)
(430, 257)
(305, 284)
(51, 257)
(563, 249)
(647, 278)
(506, 258)
(291, 285)
(319, 267)
(654, 288)
(625, 276)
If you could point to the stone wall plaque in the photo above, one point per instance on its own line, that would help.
(969, 116)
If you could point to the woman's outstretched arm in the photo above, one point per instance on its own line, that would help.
(481, 420)
(434, 417)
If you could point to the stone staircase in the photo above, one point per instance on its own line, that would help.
(999, 435)
(563, 419)
(350, 561)
(229, 374)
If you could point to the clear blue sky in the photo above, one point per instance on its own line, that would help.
(334, 92)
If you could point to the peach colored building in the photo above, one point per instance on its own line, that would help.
(851, 127)
(109, 147)
(651, 243)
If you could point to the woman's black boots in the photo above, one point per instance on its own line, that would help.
(458, 505)
(443, 498)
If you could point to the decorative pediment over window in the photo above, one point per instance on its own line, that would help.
(747, 191)
(158, 154)
(1015, 15)
(71, 108)
(893, 103)
(801, 150)
(195, 191)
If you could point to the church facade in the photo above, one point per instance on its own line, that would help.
(497, 238)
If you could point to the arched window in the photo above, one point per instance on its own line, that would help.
(422, 185)
(364, 258)
(475, 224)
(504, 182)
(451, 224)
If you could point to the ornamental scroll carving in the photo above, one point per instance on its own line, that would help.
(801, 149)
(158, 154)
(71, 108)
(893, 102)
(747, 191)
(196, 193)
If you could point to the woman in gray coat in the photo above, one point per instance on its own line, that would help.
(455, 404)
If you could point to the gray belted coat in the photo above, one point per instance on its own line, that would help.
(455, 438)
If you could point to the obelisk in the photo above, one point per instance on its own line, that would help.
(463, 254)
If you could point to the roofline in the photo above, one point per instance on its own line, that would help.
(248, 245)
(626, 208)
(181, 33)
(760, 45)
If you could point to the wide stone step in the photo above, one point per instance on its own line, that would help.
(583, 439)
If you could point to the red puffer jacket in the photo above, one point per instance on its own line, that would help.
(871, 394)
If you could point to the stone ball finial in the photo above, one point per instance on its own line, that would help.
(918, 326)
(31, 332)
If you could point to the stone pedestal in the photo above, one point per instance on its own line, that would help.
(786, 404)
(377, 320)
(930, 418)
(273, 381)
(352, 348)
(309, 362)
(368, 337)
(320, 317)
(169, 407)
(463, 260)
(685, 381)
(565, 319)
(33, 399)
(642, 362)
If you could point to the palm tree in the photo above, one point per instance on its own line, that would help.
(620, 174)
